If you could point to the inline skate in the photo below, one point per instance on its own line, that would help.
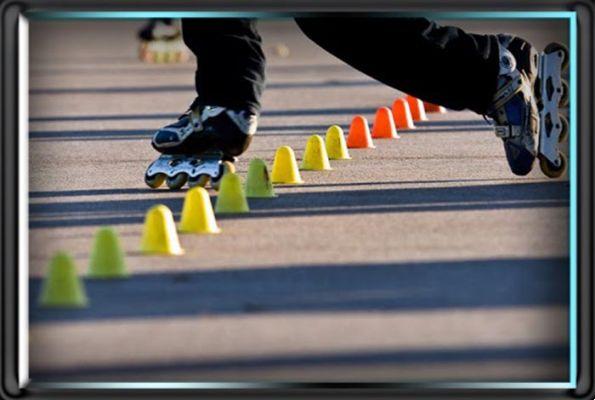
(526, 106)
(200, 147)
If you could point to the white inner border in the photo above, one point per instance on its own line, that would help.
(23, 182)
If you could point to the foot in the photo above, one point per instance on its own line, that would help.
(211, 129)
(514, 108)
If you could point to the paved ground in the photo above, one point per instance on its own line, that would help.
(422, 259)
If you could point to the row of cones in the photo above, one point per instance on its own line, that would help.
(403, 115)
(159, 233)
(62, 286)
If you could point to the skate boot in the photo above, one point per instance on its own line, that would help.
(524, 121)
(161, 42)
(200, 147)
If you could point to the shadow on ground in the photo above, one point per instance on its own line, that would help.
(474, 197)
(190, 88)
(378, 359)
(329, 288)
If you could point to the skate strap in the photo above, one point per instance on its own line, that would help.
(508, 131)
(507, 91)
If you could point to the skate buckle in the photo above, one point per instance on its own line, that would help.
(507, 131)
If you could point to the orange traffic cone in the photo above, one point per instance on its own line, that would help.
(384, 125)
(359, 134)
(434, 108)
(416, 106)
(402, 115)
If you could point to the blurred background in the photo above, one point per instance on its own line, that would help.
(424, 259)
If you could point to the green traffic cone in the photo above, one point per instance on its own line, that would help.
(231, 198)
(62, 286)
(258, 183)
(107, 257)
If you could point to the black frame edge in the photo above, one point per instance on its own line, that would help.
(10, 12)
(9, 149)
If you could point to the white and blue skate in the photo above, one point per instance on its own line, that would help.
(526, 105)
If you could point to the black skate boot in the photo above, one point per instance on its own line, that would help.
(201, 145)
(514, 108)
(212, 128)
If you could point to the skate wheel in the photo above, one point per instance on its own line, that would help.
(224, 168)
(557, 47)
(200, 180)
(177, 181)
(565, 128)
(154, 181)
(551, 170)
(565, 95)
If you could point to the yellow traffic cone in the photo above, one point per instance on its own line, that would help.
(197, 213)
(315, 157)
(258, 183)
(231, 198)
(159, 232)
(62, 286)
(336, 146)
(107, 257)
(285, 168)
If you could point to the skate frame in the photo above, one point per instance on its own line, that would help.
(550, 70)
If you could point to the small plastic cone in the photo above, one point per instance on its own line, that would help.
(197, 213)
(416, 106)
(359, 134)
(258, 182)
(315, 157)
(402, 115)
(62, 286)
(384, 125)
(231, 198)
(285, 168)
(107, 257)
(434, 108)
(336, 147)
(159, 232)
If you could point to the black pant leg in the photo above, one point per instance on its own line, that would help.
(440, 64)
(230, 61)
